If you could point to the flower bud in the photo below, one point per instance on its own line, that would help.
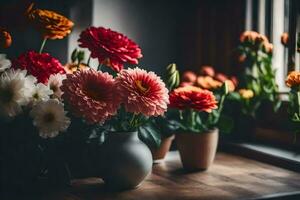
(172, 76)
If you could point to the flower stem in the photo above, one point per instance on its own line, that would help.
(43, 45)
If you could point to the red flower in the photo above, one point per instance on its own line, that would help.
(191, 97)
(110, 47)
(40, 65)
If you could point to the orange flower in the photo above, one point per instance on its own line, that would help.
(249, 36)
(51, 24)
(268, 47)
(5, 38)
(246, 94)
(293, 79)
(73, 67)
(230, 84)
(207, 82)
(285, 39)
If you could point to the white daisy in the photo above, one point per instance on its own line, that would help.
(41, 92)
(4, 63)
(54, 83)
(15, 91)
(50, 118)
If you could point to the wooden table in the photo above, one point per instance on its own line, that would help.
(231, 177)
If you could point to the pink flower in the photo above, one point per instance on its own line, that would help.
(142, 92)
(91, 95)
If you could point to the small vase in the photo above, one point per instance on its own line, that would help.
(197, 150)
(159, 153)
(126, 161)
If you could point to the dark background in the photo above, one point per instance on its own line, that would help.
(190, 33)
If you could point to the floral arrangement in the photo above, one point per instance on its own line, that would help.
(259, 84)
(59, 107)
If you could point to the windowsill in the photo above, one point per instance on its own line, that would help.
(265, 153)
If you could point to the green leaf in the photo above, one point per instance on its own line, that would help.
(225, 124)
(150, 135)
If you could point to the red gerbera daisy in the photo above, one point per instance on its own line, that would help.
(191, 97)
(110, 47)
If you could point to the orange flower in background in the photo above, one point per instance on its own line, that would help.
(189, 76)
(73, 67)
(248, 36)
(191, 97)
(51, 24)
(221, 77)
(207, 71)
(5, 38)
(268, 47)
(285, 39)
(182, 84)
(231, 86)
(246, 94)
(207, 82)
(293, 79)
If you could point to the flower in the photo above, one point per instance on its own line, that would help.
(5, 38)
(189, 76)
(246, 94)
(51, 24)
(91, 95)
(221, 77)
(4, 63)
(142, 92)
(230, 84)
(41, 92)
(73, 67)
(110, 47)
(40, 65)
(15, 91)
(50, 118)
(207, 71)
(207, 82)
(285, 39)
(54, 83)
(182, 84)
(293, 79)
(248, 36)
(191, 97)
(267, 47)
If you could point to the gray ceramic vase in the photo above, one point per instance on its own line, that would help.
(126, 161)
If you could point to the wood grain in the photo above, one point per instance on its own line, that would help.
(231, 177)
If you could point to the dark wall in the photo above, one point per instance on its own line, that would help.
(191, 33)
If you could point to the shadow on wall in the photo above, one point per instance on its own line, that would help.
(191, 33)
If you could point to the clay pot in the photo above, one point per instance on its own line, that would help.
(197, 150)
(126, 161)
(159, 153)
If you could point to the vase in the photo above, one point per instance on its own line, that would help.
(197, 150)
(126, 161)
(159, 153)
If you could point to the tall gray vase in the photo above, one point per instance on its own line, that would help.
(126, 161)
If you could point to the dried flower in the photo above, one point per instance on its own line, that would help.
(191, 97)
(142, 92)
(110, 47)
(51, 24)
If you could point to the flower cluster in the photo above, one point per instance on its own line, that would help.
(20, 91)
(254, 40)
(293, 79)
(246, 93)
(110, 47)
(208, 79)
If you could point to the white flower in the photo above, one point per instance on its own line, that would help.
(54, 83)
(50, 118)
(15, 91)
(41, 92)
(4, 63)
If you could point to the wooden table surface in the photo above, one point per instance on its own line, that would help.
(230, 177)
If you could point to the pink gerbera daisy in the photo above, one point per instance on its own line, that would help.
(91, 95)
(142, 92)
